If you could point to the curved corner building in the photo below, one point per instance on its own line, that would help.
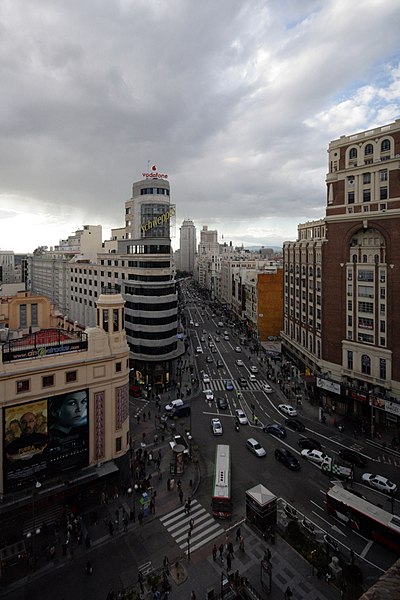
(151, 310)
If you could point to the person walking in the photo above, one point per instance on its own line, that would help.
(238, 534)
(241, 544)
(191, 524)
(288, 593)
(193, 595)
(181, 496)
(89, 568)
(228, 562)
(214, 553)
(221, 552)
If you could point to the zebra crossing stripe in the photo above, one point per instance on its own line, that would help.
(218, 385)
(186, 519)
(197, 537)
(177, 514)
(185, 527)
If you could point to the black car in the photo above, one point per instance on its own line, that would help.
(220, 364)
(309, 444)
(287, 458)
(243, 382)
(353, 458)
(295, 424)
(275, 429)
(222, 403)
(209, 359)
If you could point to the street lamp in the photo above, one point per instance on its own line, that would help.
(35, 531)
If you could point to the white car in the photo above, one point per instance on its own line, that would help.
(315, 456)
(226, 338)
(252, 377)
(209, 395)
(267, 388)
(254, 369)
(191, 322)
(241, 417)
(206, 378)
(199, 350)
(239, 362)
(216, 426)
(238, 349)
(196, 324)
(380, 483)
(173, 404)
(255, 447)
(288, 410)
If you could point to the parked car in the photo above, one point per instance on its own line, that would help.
(332, 544)
(295, 424)
(199, 350)
(243, 382)
(287, 458)
(202, 339)
(380, 483)
(254, 369)
(222, 403)
(315, 456)
(275, 429)
(216, 427)
(220, 364)
(238, 349)
(288, 410)
(241, 417)
(309, 443)
(196, 324)
(353, 457)
(255, 447)
(209, 359)
(217, 339)
(239, 362)
(226, 338)
(228, 384)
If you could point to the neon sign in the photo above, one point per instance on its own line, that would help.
(154, 174)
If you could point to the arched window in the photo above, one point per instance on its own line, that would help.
(365, 258)
(369, 149)
(385, 146)
(354, 257)
(365, 364)
(353, 153)
(376, 258)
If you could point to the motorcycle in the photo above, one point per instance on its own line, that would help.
(290, 511)
(237, 427)
(308, 526)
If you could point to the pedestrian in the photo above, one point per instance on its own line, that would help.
(87, 541)
(230, 549)
(192, 595)
(238, 534)
(179, 484)
(228, 562)
(149, 415)
(288, 593)
(168, 484)
(110, 527)
(241, 544)
(144, 416)
(125, 523)
(138, 419)
(140, 517)
(166, 565)
(191, 524)
(221, 552)
(89, 568)
(187, 507)
(214, 553)
(181, 496)
(328, 577)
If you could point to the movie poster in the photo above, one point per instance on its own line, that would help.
(26, 443)
(68, 431)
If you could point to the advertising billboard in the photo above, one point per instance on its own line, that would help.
(45, 437)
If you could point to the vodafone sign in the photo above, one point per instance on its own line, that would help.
(154, 174)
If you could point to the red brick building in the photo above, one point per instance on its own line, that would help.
(342, 280)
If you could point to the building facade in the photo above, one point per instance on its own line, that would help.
(342, 281)
(187, 246)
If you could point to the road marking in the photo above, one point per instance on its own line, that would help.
(317, 505)
(366, 549)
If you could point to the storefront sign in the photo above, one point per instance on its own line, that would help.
(392, 407)
(328, 385)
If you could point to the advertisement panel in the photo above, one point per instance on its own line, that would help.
(25, 442)
(45, 437)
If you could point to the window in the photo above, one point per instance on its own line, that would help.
(118, 444)
(365, 364)
(353, 153)
(367, 195)
(70, 376)
(350, 197)
(382, 293)
(105, 319)
(47, 381)
(382, 368)
(383, 193)
(382, 326)
(23, 386)
(363, 275)
(350, 321)
(34, 315)
(367, 178)
(22, 315)
(364, 323)
(350, 359)
(367, 307)
(118, 367)
(383, 175)
(385, 146)
(349, 304)
(369, 149)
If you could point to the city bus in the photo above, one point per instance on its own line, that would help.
(221, 501)
(364, 517)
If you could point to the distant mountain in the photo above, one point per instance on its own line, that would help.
(256, 248)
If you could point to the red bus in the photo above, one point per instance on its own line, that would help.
(364, 517)
(221, 501)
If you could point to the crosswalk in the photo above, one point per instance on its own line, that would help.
(218, 385)
(205, 528)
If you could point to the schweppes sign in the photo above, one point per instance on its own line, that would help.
(158, 220)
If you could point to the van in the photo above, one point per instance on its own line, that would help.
(180, 411)
(173, 404)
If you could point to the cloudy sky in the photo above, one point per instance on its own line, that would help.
(236, 100)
